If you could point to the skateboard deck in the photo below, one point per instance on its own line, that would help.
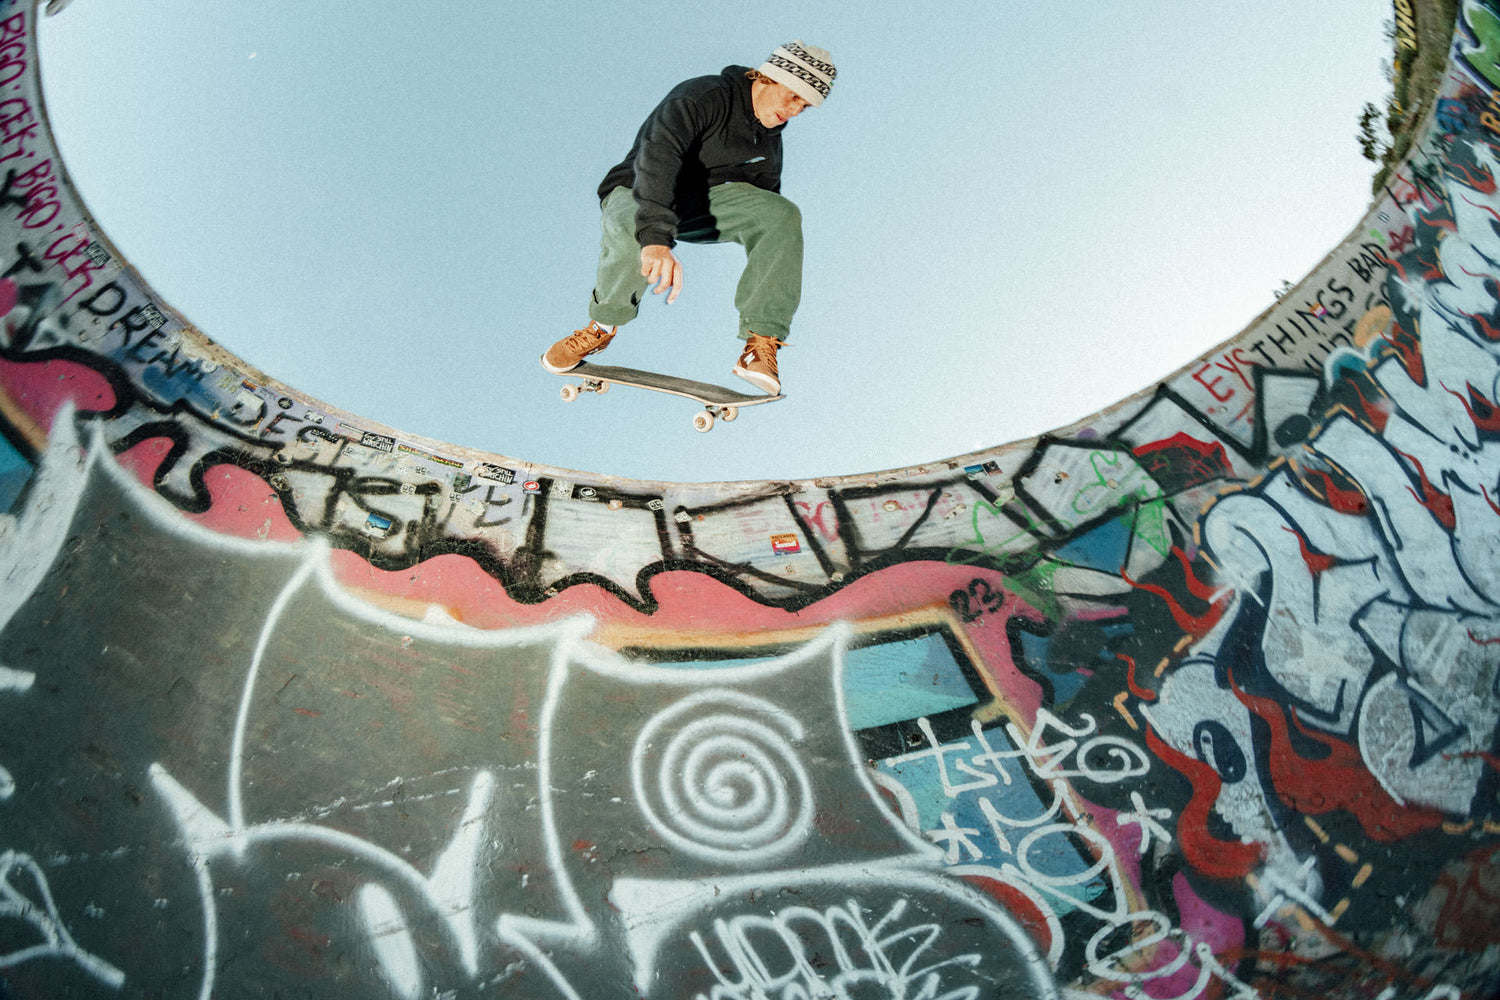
(718, 401)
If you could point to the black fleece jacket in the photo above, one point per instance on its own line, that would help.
(704, 132)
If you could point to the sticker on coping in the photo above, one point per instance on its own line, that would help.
(785, 545)
(378, 525)
(379, 442)
(494, 472)
(980, 471)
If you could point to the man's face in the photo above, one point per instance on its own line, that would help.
(774, 103)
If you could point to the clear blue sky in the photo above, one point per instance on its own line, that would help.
(1016, 213)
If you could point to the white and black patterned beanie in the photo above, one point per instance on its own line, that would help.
(806, 69)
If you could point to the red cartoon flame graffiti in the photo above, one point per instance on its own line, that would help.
(1337, 781)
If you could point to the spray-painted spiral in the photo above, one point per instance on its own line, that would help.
(717, 775)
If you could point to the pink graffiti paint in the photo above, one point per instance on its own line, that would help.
(40, 388)
(240, 503)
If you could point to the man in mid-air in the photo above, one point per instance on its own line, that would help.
(706, 168)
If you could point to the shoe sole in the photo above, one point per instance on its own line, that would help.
(766, 384)
(558, 371)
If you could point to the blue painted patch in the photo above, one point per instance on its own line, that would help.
(15, 473)
(1036, 651)
(906, 679)
(890, 681)
(1103, 548)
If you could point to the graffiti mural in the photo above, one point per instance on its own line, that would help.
(1196, 698)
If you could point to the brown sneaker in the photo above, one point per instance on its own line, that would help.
(568, 353)
(757, 364)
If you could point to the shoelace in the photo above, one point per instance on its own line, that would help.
(767, 357)
(582, 340)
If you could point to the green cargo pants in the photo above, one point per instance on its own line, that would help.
(766, 224)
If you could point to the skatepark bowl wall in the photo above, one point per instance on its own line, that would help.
(1194, 698)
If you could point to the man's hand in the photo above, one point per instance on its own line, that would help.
(661, 267)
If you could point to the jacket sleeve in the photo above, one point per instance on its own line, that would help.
(666, 139)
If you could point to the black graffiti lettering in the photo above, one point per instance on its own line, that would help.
(92, 303)
(1371, 259)
(8, 197)
(490, 500)
(1335, 306)
(1258, 349)
(25, 260)
(1283, 342)
(136, 352)
(137, 319)
(272, 427)
(959, 601)
(980, 597)
(1342, 291)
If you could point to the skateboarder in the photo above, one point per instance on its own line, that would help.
(706, 168)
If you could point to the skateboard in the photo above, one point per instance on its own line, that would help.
(718, 402)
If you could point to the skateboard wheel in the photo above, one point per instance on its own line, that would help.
(569, 393)
(602, 388)
(703, 422)
(730, 412)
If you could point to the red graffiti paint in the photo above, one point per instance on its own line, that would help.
(1195, 625)
(1317, 562)
(1376, 414)
(1224, 859)
(1488, 759)
(1481, 322)
(1469, 893)
(1018, 905)
(1436, 502)
(1402, 240)
(1199, 589)
(1484, 413)
(1346, 501)
(1477, 179)
(1408, 351)
(1145, 694)
(1482, 207)
(1195, 461)
(1338, 780)
(1476, 640)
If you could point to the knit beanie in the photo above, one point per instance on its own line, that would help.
(806, 69)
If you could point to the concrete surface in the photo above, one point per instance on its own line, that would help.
(1194, 698)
